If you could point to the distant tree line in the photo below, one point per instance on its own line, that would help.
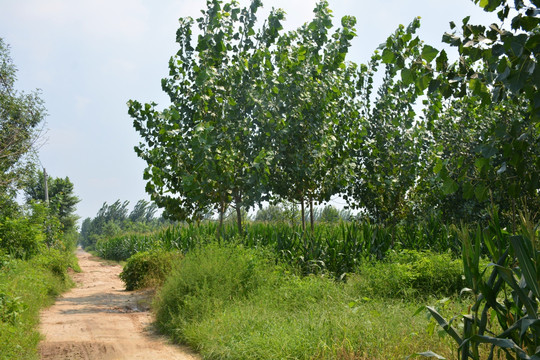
(116, 218)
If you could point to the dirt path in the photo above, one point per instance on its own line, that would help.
(100, 320)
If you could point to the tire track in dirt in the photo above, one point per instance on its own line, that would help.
(100, 320)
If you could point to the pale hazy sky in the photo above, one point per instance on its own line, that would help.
(89, 57)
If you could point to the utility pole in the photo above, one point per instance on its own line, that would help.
(45, 180)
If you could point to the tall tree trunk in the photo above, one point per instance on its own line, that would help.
(311, 214)
(221, 215)
(303, 214)
(238, 203)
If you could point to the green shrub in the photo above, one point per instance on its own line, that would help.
(25, 288)
(228, 302)
(20, 237)
(148, 269)
(206, 280)
(57, 262)
(409, 273)
(10, 308)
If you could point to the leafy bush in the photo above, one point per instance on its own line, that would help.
(20, 237)
(229, 302)
(10, 308)
(57, 262)
(146, 269)
(206, 280)
(25, 288)
(409, 273)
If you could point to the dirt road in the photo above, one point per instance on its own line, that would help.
(100, 320)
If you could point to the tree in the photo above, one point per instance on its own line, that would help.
(204, 152)
(143, 211)
(388, 149)
(62, 200)
(312, 110)
(21, 116)
(499, 68)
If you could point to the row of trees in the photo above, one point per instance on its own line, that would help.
(26, 229)
(116, 218)
(262, 114)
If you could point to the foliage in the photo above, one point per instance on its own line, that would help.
(25, 234)
(388, 150)
(149, 269)
(211, 124)
(313, 108)
(62, 200)
(334, 248)
(409, 274)
(205, 281)
(229, 302)
(21, 115)
(505, 311)
(113, 220)
(25, 288)
(20, 237)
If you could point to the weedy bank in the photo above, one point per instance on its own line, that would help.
(26, 286)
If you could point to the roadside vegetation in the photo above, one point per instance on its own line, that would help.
(37, 238)
(438, 159)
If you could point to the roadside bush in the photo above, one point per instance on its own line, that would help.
(206, 280)
(20, 238)
(149, 269)
(409, 273)
(229, 302)
(57, 262)
(25, 288)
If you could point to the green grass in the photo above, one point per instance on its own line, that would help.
(232, 302)
(25, 288)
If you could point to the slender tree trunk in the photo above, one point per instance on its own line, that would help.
(221, 215)
(311, 214)
(238, 202)
(303, 214)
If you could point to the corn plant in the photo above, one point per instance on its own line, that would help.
(504, 317)
(334, 248)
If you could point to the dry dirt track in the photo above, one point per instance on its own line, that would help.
(99, 320)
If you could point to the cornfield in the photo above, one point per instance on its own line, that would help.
(337, 248)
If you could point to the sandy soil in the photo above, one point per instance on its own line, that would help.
(100, 320)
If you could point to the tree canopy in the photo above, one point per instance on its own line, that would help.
(21, 117)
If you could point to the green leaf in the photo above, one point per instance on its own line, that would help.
(525, 253)
(407, 76)
(481, 192)
(450, 186)
(430, 354)
(429, 53)
(423, 82)
(388, 56)
(438, 166)
(481, 163)
(468, 190)
(504, 343)
(444, 324)
(484, 3)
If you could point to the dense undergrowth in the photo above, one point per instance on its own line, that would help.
(335, 248)
(345, 291)
(26, 286)
(232, 302)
